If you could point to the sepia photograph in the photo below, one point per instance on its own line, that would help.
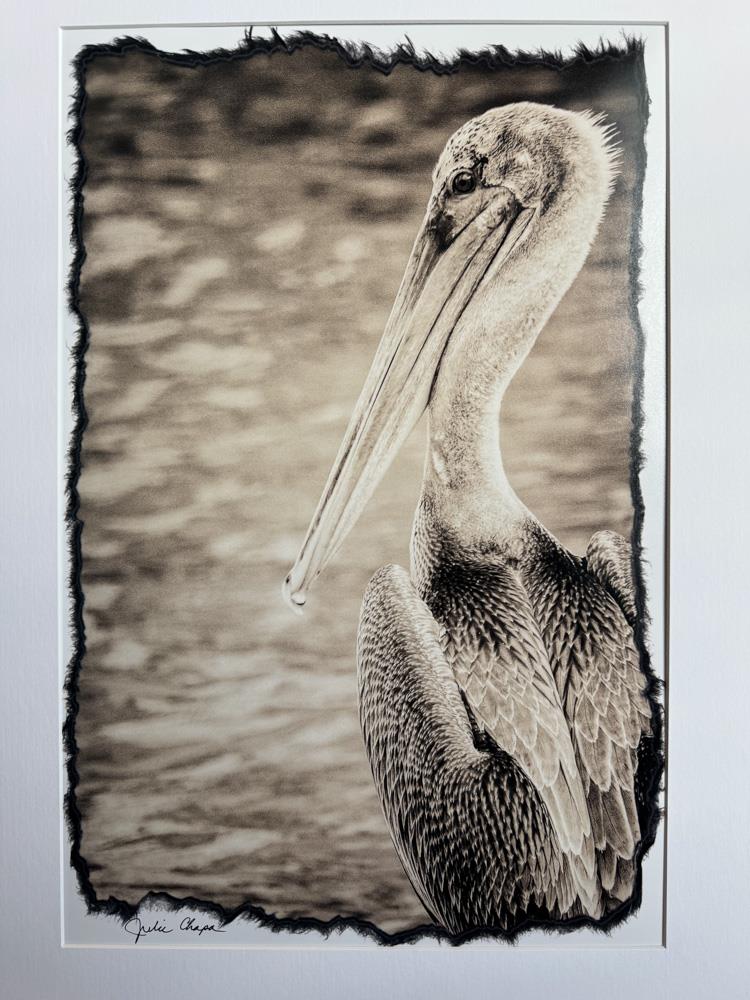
(365, 631)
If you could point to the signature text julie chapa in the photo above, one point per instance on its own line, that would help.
(138, 929)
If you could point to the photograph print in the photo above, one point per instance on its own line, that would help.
(362, 621)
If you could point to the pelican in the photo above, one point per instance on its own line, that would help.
(502, 698)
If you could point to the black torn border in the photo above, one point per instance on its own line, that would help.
(355, 55)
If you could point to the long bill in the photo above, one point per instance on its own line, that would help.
(436, 288)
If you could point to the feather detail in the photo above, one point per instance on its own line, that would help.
(582, 610)
(472, 831)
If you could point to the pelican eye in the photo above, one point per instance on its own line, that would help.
(463, 182)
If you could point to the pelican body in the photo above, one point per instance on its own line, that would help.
(503, 703)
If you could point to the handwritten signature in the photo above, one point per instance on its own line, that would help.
(138, 929)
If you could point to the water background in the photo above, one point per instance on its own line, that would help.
(246, 226)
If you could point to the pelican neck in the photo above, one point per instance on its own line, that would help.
(465, 480)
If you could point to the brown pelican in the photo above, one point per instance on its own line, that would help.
(501, 694)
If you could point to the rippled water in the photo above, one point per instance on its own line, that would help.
(246, 226)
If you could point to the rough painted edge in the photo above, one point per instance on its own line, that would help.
(354, 55)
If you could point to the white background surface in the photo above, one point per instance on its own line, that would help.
(646, 927)
(706, 953)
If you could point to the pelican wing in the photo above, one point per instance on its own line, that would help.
(602, 687)
(609, 558)
(469, 826)
(610, 716)
(494, 647)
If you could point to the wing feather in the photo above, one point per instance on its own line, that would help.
(610, 559)
(469, 825)
(586, 614)
(505, 673)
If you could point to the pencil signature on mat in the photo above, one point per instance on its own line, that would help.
(138, 929)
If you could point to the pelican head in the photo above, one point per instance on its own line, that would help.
(517, 197)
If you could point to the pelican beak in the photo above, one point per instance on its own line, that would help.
(437, 286)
